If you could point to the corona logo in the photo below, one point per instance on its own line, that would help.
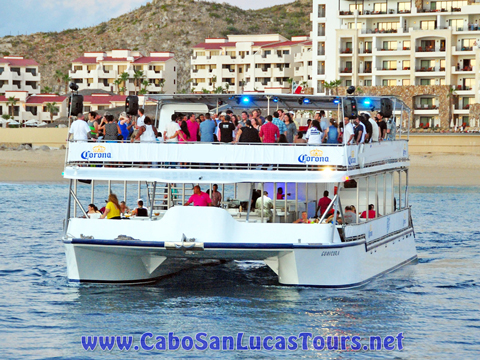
(98, 152)
(315, 156)
(99, 149)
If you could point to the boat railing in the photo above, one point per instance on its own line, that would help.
(235, 156)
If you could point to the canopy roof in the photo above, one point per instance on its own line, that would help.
(283, 101)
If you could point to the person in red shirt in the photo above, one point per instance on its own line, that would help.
(193, 127)
(323, 204)
(371, 212)
(269, 132)
(199, 198)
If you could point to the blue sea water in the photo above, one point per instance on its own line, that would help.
(435, 303)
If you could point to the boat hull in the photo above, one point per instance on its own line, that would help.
(347, 264)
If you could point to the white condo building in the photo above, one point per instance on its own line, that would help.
(99, 70)
(19, 74)
(251, 63)
(400, 43)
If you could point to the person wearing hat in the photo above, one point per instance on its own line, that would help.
(140, 211)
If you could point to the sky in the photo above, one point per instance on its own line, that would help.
(31, 16)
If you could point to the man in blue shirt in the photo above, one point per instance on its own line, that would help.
(207, 129)
(280, 124)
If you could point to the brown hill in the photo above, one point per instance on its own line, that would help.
(173, 25)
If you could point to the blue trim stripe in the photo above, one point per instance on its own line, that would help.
(161, 244)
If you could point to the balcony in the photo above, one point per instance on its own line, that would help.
(346, 51)
(345, 71)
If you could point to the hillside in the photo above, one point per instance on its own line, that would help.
(174, 25)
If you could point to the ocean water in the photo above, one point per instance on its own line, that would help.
(435, 304)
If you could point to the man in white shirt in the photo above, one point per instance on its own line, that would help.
(172, 130)
(348, 132)
(375, 130)
(79, 129)
(141, 118)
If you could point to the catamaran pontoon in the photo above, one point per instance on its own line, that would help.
(174, 237)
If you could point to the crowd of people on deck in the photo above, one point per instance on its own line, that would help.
(261, 205)
(227, 127)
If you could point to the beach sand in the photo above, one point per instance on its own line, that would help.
(426, 170)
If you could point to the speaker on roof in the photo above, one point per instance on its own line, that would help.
(350, 107)
(386, 107)
(131, 105)
(75, 104)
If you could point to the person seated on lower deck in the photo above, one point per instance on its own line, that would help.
(112, 210)
(349, 215)
(140, 211)
(124, 209)
(266, 210)
(93, 212)
(371, 212)
(303, 220)
(199, 198)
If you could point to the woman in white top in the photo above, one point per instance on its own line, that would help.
(314, 134)
(147, 133)
(93, 212)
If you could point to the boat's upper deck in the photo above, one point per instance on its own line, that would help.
(218, 162)
(202, 162)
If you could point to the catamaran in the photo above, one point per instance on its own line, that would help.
(334, 254)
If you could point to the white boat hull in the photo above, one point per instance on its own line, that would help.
(331, 265)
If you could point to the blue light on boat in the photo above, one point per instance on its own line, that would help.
(336, 101)
(306, 101)
(245, 99)
(367, 102)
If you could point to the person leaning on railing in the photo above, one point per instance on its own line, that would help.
(172, 131)
(147, 132)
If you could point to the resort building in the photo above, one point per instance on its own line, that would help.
(251, 64)
(19, 74)
(418, 50)
(99, 70)
(32, 107)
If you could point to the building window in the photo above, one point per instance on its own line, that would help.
(15, 70)
(404, 7)
(428, 25)
(351, 25)
(368, 82)
(286, 52)
(467, 44)
(390, 65)
(406, 64)
(200, 53)
(32, 71)
(390, 45)
(456, 24)
(406, 82)
(353, 7)
(380, 8)
(321, 10)
(425, 81)
(348, 82)
(389, 82)
(443, 81)
(32, 109)
(406, 45)
(2, 69)
(387, 26)
(33, 84)
(427, 65)
(77, 68)
(448, 5)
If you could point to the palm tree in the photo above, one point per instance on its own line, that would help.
(46, 90)
(52, 109)
(205, 91)
(123, 79)
(328, 87)
(117, 83)
(227, 86)
(290, 82)
(218, 90)
(214, 81)
(11, 102)
(304, 85)
(66, 80)
(161, 83)
(138, 76)
(452, 96)
(335, 84)
(145, 85)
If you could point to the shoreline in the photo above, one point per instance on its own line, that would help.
(39, 166)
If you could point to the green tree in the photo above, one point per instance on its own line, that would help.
(335, 84)
(46, 90)
(290, 83)
(11, 102)
(66, 81)
(161, 83)
(117, 83)
(123, 81)
(205, 91)
(218, 90)
(138, 77)
(52, 109)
